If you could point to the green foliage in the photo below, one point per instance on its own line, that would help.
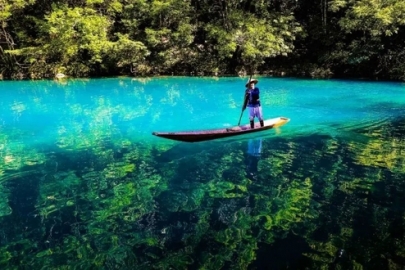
(139, 37)
(375, 17)
(76, 31)
(109, 7)
(144, 37)
(8, 7)
(365, 34)
(251, 38)
(126, 53)
(170, 34)
(68, 36)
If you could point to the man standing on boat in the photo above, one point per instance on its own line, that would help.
(252, 100)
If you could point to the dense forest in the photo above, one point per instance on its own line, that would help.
(81, 38)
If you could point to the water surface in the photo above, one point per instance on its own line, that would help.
(84, 184)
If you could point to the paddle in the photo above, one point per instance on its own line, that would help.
(244, 104)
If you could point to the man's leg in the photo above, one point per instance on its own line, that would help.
(260, 116)
(252, 117)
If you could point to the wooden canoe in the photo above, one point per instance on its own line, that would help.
(212, 134)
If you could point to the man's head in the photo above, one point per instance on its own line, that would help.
(251, 83)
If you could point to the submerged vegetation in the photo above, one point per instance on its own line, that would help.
(87, 187)
(81, 38)
(315, 202)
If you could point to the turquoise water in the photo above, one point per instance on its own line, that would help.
(84, 184)
(135, 108)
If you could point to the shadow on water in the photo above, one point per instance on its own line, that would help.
(24, 190)
(283, 254)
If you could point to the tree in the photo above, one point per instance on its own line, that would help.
(10, 63)
(247, 35)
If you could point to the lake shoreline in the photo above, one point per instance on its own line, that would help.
(279, 75)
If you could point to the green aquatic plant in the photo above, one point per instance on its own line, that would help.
(5, 208)
(14, 251)
(356, 195)
(57, 191)
(223, 189)
(121, 199)
(116, 171)
(5, 256)
(227, 172)
(132, 155)
(176, 260)
(225, 175)
(175, 201)
(131, 199)
(114, 207)
(93, 135)
(104, 242)
(130, 204)
(361, 184)
(240, 240)
(95, 181)
(296, 203)
(195, 198)
(17, 158)
(13, 162)
(214, 261)
(381, 149)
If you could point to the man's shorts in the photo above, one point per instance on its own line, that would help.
(255, 112)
